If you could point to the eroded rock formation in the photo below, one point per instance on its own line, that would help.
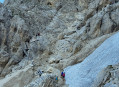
(53, 34)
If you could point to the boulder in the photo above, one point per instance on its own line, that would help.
(18, 79)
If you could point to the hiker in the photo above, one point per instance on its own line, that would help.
(39, 72)
(63, 75)
(38, 34)
(56, 78)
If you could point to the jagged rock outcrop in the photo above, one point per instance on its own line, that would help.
(108, 77)
(5, 16)
(4, 58)
(53, 34)
(18, 79)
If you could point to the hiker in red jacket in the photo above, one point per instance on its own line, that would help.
(38, 34)
(63, 75)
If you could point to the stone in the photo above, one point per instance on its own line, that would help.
(54, 34)
(63, 46)
(21, 77)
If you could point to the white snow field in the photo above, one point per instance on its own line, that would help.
(84, 73)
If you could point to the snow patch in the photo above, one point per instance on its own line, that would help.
(84, 74)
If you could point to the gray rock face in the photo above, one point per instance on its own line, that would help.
(108, 77)
(5, 16)
(53, 33)
(4, 58)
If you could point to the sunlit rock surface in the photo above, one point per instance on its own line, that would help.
(52, 34)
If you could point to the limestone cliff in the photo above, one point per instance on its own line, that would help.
(51, 35)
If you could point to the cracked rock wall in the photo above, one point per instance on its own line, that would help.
(53, 33)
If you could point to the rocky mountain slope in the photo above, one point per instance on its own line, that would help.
(51, 35)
